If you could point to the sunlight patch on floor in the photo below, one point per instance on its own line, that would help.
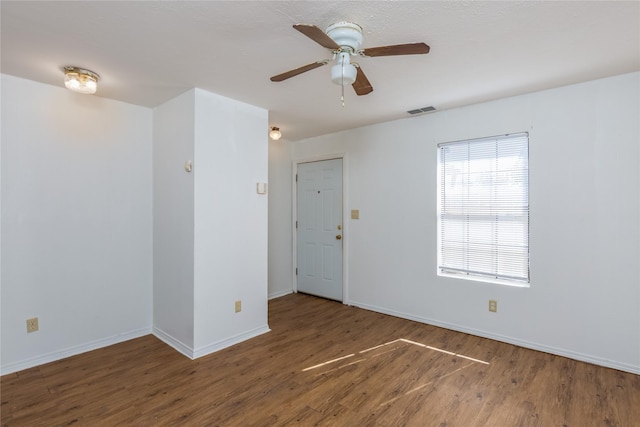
(444, 351)
(390, 343)
(388, 347)
(328, 362)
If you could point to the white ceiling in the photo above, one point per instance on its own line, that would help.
(150, 51)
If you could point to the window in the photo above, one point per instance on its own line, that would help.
(483, 209)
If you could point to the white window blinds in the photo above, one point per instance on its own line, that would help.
(483, 208)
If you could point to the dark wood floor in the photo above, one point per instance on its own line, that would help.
(324, 364)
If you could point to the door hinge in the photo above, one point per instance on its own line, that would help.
(296, 177)
(296, 271)
(296, 224)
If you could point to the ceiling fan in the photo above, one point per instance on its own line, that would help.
(344, 40)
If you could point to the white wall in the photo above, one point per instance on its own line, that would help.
(99, 247)
(280, 254)
(584, 298)
(210, 225)
(173, 221)
(76, 222)
(230, 245)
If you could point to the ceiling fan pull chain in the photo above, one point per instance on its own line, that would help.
(342, 86)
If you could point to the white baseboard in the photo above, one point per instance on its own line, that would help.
(509, 340)
(116, 339)
(280, 294)
(228, 342)
(72, 351)
(177, 345)
(209, 348)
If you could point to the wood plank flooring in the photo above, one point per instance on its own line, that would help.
(324, 364)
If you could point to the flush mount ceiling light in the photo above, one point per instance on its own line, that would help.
(275, 133)
(81, 80)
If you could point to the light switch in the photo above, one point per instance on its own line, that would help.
(355, 214)
(262, 188)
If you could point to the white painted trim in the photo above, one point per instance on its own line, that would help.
(279, 294)
(294, 229)
(345, 219)
(73, 351)
(178, 345)
(509, 340)
(346, 229)
(228, 342)
(318, 158)
(106, 342)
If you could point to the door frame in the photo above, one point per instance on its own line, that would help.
(345, 223)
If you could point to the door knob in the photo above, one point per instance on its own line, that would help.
(339, 237)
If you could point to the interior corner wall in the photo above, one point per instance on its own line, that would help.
(173, 222)
(76, 222)
(280, 226)
(231, 224)
(584, 158)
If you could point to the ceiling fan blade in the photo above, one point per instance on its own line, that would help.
(362, 85)
(317, 35)
(303, 69)
(397, 49)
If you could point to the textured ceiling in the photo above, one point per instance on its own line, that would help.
(150, 51)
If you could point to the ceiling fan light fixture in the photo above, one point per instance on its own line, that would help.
(275, 133)
(81, 80)
(343, 73)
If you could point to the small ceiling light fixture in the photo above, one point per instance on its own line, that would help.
(275, 133)
(343, 73)
(81, 80)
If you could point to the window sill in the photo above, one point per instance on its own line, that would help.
(512, 283)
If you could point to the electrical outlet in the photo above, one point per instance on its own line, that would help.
(32, 325)
(493, 305)
(238, 306)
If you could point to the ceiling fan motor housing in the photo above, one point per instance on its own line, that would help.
(347, 35)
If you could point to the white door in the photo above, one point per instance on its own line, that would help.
(319, 228)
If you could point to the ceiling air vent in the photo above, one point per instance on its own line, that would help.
(421, 110)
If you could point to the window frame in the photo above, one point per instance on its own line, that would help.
(467, 274)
